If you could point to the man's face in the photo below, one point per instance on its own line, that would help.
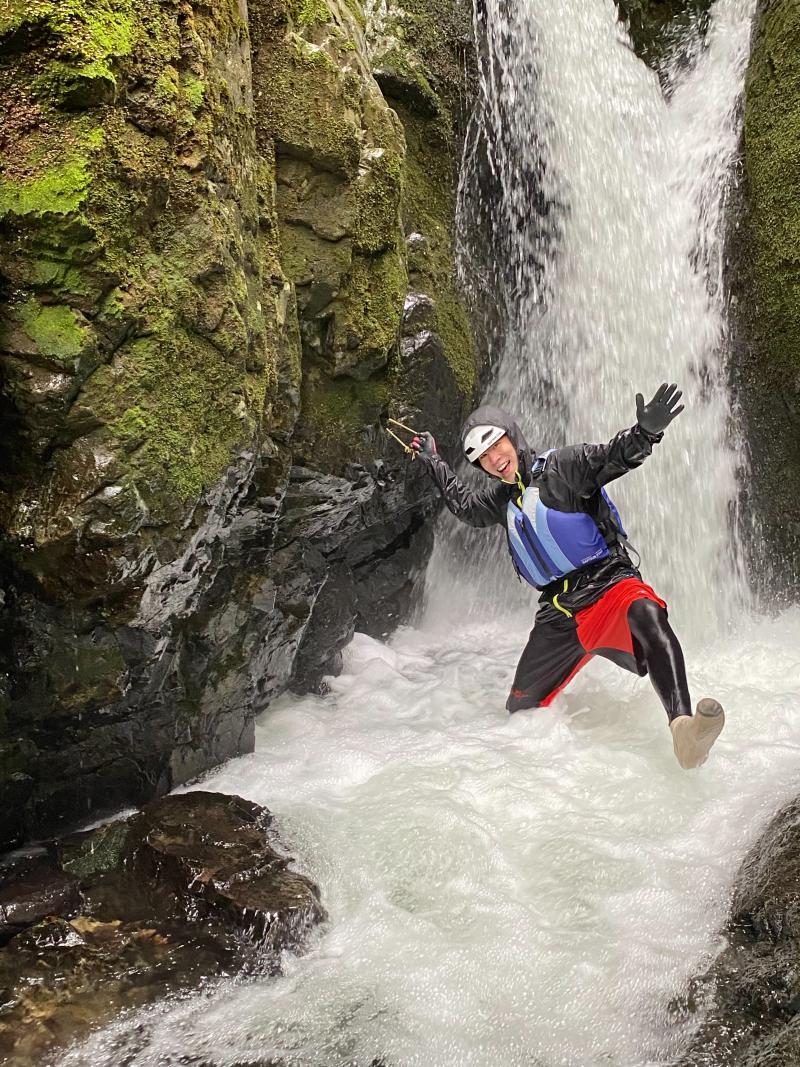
(501, 460)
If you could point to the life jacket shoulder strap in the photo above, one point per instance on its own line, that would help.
(540, 463)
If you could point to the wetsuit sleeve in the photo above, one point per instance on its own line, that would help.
(476, 508)
(583, 469)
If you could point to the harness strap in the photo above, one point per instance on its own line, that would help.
(555, 602)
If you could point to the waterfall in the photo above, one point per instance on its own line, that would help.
(608, 198)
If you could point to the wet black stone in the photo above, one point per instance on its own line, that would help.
(419, 313)
(188, 890)
(33, 886)
(750, 997)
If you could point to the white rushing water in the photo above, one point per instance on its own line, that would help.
(629, 293)
(537, 890)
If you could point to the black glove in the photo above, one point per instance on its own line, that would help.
(659, 413)
(424, 445)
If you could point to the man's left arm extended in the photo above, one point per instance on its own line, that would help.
(587, 468)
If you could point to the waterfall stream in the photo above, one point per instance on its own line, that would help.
(617, 286)
(538, 889)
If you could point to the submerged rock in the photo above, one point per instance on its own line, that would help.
(31, 888)
(165, 901)
(750, 997)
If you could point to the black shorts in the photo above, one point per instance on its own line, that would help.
(560, 645)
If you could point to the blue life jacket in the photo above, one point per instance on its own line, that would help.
(547, 544)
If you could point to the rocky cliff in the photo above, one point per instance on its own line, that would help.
(225, 255)
(767, 289)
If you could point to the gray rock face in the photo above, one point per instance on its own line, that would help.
(751, 995)
(270, 586)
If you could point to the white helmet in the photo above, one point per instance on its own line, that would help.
(480, 439)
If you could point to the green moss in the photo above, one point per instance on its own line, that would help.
(173, 404)
(308, 104)
(167, 81)
(98, 851)
(85, 85)
(356, 9)
(309, 12)
(95, 29)
(366, 325)
(335, 415)
(194, 91)
(315, 59)
(58, 190)
(54, 329)
(429, 208)
(132, 427)
(772, 263)
(772, 140)
(379, 186)
(435, 30)
(56, 277)
(101, 29)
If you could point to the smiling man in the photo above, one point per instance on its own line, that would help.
(566, 539)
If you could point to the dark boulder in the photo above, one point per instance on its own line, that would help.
(750, 997)
(192, 888)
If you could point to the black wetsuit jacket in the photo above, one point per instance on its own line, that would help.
(568, 479)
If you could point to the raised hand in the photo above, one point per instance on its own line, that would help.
(424, 445)
(659, 413)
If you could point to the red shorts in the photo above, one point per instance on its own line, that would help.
(557, 649)
(604, 624)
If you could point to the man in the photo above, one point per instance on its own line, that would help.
(566, 539)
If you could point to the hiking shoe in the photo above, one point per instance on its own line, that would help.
(693, 735)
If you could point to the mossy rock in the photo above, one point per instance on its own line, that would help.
(429, 210)
(149, 308)
(365, 328)
(769, 263)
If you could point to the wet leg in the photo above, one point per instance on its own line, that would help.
(658, 649)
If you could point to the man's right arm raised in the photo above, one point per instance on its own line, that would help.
(476, 508)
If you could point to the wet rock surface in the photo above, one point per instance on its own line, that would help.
(166, 901)
(765, 279)
(750, 997)
(657, 27)
(204, 263)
